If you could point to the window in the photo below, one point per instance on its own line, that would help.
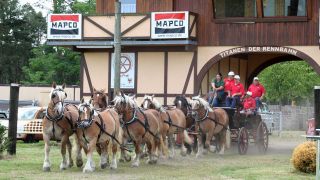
(284, 8)
(235, 8)
(128, 6)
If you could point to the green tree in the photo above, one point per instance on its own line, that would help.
(289, 81)
(52, 64)
(57, 63)
(21, 29)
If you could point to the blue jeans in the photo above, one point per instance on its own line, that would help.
(215, 102)
(210, 97)
(235, 100)
(258, 103)
(228, 101)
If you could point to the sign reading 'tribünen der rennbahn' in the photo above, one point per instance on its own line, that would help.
(64, 26)
(169, 25)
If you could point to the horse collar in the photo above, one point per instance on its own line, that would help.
(56, 118)
(205, 116)
(133, 119)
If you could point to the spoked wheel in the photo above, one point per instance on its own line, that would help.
(262, 137)
(243, 141)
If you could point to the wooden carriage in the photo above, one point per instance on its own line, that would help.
(247, 129)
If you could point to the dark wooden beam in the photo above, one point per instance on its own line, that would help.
(259, 8)
(98, 26)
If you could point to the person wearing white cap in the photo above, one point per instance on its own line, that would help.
(257, 90)
(228, 82)
(249, 104)
(237, 92)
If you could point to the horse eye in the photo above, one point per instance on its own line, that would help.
(53, 96)
(66, 94)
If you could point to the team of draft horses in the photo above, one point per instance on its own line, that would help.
(107, 129)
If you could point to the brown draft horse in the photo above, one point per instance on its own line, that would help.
(99, 99)
(210, 123)
(99, 127)
(100, 103)
(141, 126)
(173, 120)
(59, 123)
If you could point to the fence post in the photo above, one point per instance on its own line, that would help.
(13, 117)
(317, 106)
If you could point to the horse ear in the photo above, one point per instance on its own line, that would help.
(54, 85)
(94, 89)
(103, 90)
(63, 85)
(90, 101)
(82, 101)
(122, 94)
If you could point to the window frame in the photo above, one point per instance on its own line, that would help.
(130, 12)
(261, 18)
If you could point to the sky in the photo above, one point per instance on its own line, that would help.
(43, 6)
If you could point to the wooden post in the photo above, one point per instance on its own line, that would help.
(317, 106)
(13, 118)
(117, 48)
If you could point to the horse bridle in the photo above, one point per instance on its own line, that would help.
(85, 122)
(149, 101)
(59, 116)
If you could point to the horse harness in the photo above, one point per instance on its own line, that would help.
(136, 119)
(170, 123)
(59, 117)
(206, 116)
(88, 122)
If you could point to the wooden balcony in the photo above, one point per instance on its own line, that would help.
(135, 31)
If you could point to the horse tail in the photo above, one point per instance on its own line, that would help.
(187, 139)
(228, 138)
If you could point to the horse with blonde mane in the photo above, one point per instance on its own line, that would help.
(59, 123)
(100, 103)
(99, 128)
(173, 120)
(141, 126)
(210, 123)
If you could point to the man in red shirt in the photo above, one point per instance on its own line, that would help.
(228, 82)
(257, 90)
(237, 91)
(249, 104)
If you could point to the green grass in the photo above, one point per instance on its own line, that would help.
(27, 164)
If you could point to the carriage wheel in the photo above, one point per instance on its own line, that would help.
(243, 141)
(262, 137)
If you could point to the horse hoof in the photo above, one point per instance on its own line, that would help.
(79, 163)
(46, 169)
(198, 155)
(103, 166)
(183, 153)
(135, 165)
(87, 170)
(128, 158)
(70, 164)
(113, 167)
(121, 160)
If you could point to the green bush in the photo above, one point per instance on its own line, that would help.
(4, 142)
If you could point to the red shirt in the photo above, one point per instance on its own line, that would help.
(237, 88)
(249, 103)
(257, 90)
(228, 84)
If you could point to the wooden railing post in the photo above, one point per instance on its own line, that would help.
(13, 118)
(317, 106)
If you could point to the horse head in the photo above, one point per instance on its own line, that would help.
(148, 102)
(99, 98)
(86, 113)
(57, 97)
(124, 102)
(198, 104)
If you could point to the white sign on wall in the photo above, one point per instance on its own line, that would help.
(169, 25)
(127, 70)
(64, 26)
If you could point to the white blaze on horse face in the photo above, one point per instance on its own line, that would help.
(145, 105)
(179, 104)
